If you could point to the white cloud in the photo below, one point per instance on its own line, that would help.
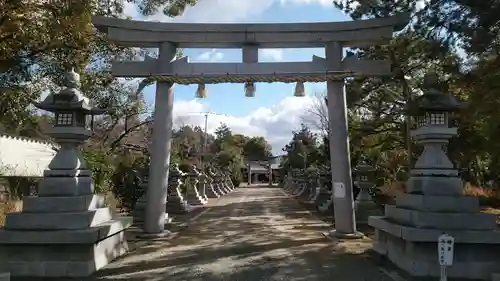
(210, 56)
(271, 54)
(275, 124)
(130, 9)
(223, 11)
(220, 11)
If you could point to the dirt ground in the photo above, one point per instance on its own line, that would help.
(250, 234)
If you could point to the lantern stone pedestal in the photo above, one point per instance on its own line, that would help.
(325, 190)
(364, 205)
(65, 231)
(434, 204)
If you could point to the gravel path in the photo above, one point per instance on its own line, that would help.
(251, 234)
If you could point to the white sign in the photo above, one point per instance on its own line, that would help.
(338, 190)
(446, 243)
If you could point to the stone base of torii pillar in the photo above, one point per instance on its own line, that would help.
(139, 211)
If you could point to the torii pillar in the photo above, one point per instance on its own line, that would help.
(154, 221)
(340, 160)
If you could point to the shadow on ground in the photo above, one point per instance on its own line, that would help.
(251, 234)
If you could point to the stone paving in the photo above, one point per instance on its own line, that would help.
(250, 234)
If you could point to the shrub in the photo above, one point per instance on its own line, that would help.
(9, 206)
(128, 180)
(488, 197)
(386, 194)
(236, 175)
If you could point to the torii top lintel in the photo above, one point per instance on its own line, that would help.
(146, 34)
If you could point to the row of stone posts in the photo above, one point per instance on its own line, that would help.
(199, 187)
(313, 187)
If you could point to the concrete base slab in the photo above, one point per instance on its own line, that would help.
(414, 250)
(334, 234)
(165, 234)
(139, 218)
(55, 258)
(441, 220)
(64, 237)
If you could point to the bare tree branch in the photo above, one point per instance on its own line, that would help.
(126, 132)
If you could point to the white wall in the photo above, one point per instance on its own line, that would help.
(24, 157)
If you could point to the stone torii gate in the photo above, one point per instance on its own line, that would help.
(333, 69)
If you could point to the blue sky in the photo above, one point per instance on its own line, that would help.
(273, 112)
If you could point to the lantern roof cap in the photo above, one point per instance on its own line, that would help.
(364, 167)
(69, 97)
(434, 98)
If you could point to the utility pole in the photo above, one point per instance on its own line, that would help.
(205, 142)
(204, 152)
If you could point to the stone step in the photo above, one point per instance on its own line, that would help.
(422, 219)
(32, 204)
(409, 233)
(65, 186)
(429, 203)
(56, 256)
(414, 250)
(431, 185)
(78, 236)
(5, 276)
(57, 221)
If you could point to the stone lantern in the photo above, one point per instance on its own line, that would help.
(434, 204)
(364, 204)
(433, 110)
(67, 227)
(73, 113)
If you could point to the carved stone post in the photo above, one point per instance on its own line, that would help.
(176, 203)
(211, 187)
(202, 184)
(194, 196)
